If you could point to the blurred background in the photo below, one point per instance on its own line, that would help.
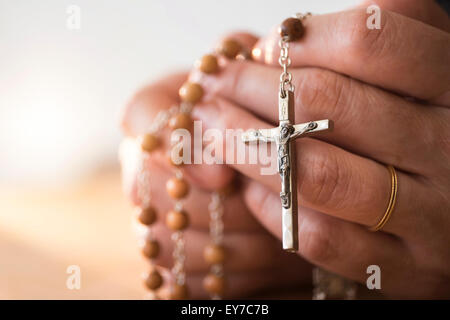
(66, 69)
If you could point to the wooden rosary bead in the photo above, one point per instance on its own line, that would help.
(149, 142)
(147, 216)
(208, 64)
(153, 280)
(214, 254)
(178, 292)
(177, 220)
(214, 284)
(292, 28)
(230, 48)
(180, 121)
(151, 249)
(177, 188)
(191, 92)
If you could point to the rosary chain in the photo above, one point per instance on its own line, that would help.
(144, 193)
(179, 252)
(143, 181)
(216, 213)
(326, 284)
(216, 229)
(285, 62)
(303, 16)
(179, 256)
(163, 116)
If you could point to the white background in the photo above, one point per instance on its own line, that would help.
(61, 90)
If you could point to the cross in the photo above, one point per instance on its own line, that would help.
(283, 136)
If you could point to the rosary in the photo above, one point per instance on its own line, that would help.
(326, 284)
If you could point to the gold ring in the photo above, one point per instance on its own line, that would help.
(392, 200)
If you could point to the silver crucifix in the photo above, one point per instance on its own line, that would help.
(283, 136)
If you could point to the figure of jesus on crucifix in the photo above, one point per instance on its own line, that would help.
(283, 136)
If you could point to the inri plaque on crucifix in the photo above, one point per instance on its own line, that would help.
(290, 30)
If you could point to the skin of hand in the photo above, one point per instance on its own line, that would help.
(388, 93)
(244, 239)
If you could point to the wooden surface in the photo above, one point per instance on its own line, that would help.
(43, 231)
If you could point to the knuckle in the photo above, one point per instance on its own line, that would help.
(439, 138)
(323, 94)
(362, 42)
(310, 89)
(316, 242)
(235, 80)
(325, 183)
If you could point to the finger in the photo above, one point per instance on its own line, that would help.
(240, 284)
(244, 284)
(245, 39)
(140, 113)
(426, 11)
(146, 103)
(384, 57)
(238, 257)
(330, 179)
(367, 121)
(236, 218)
(338, 246)
(144, 106)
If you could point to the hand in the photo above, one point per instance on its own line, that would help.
(388, 93)
(245, 238)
